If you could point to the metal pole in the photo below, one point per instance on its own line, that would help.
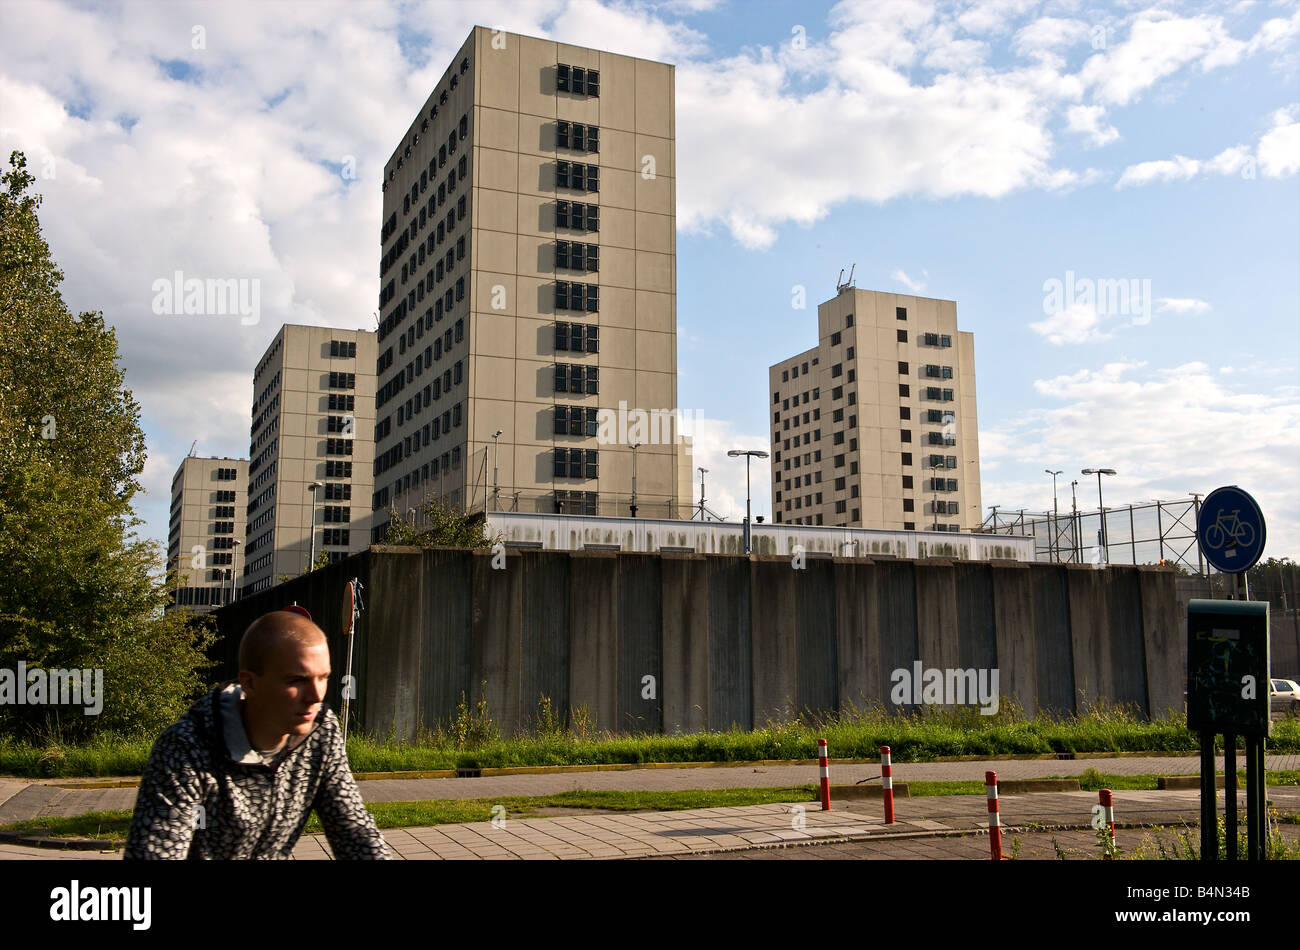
(1132, 535)
(1074, 522)
(748, 547)
(1105, 541)
(1160, 532)
(1200, 562)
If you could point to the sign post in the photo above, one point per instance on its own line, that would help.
(1228, 672)
(351, 608)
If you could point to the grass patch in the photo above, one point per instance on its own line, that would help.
(471, 740)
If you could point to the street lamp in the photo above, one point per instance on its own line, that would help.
(311, 560)
(1054, 537)
(748, 454)
(496, 457)
(635, 446)
(1074, 521)
(703, 472)
(1105, 547)
(234, 571)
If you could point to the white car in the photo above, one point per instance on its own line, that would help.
(1284, 696)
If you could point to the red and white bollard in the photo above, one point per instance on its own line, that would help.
(825, 767)
(887, 784)
(1107, 802)
(995, 819)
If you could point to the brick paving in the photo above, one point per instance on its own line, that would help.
(23, 799)
(951, 827)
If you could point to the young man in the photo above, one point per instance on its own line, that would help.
(238, 775)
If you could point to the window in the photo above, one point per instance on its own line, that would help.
(343, 380)
(950, 461)
(835, 338)
(848, 320)
(902, 336)
(903, 369)
(837, 369)
(839, 461)
(904, 412)
(837, 392)
(577, 80)
(905, 435)
(907, 458)
(947, 395)
(900, 313)
(227, 474)
(909, 504)
(338, 446)
(343, 348)
(947, 372)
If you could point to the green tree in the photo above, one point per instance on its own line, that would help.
(79, 588)
(442, 526)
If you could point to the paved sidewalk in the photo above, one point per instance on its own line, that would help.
(21, 799)
(942, 820)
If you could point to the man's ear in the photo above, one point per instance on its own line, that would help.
(246, 678)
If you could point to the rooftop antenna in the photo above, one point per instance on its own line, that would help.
(192, 445)
(842, 285)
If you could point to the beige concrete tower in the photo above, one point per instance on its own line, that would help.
(528, 282)
(206, 531)
(875, 427)
(313, 413)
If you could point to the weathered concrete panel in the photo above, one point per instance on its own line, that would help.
(1164, 647)
(640, 646)
(814, 630)
(447, 626)
(1125, 680)
(936, 614)
(976, 627)
(1014, 625)
(593, 639)
(857, 636)
(896, 623)
(495, 654)
(1089, 636)
(1053, 645)
(544, 637)
(731, 698)
(774, 655)
(684, 688)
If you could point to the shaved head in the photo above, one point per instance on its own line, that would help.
(268, 633)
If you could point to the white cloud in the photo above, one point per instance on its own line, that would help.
(1077, 323)
(1276, 156)
(1087, 120)
(1181, 305)
(1167, 431)
(1044, 36)
(1279, 148)
(915, 286)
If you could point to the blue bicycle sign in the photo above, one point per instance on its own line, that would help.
(1230, 529)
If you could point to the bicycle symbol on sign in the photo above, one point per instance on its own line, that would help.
(1229, 527)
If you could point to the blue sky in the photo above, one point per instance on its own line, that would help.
(970, 151)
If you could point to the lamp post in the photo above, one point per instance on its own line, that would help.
(1074, 521)
(311, 558)
(703, 472)
(1054, 545)
(234, 571)
(748, 454)
(1105, 547)
(496, 457)
(635, 446)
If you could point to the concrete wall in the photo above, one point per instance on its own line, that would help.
(662, 643)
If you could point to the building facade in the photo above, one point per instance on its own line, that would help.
(875, 427)
(313, 414)
(206, 530)
(528, 283)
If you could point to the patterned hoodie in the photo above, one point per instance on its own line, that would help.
(206, 794)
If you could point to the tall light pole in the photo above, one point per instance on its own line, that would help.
(311, 558)
(748, 453)
(1074, 521)
(635, 446)
(234, 571)
(1054, 537)
(496, 457)
(1105, 546)
(703, 472)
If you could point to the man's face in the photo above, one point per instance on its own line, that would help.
(287, 696)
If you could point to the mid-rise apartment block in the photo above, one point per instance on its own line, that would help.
(310, 453)
(528, 281)
(206, 530)
(875, 426)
